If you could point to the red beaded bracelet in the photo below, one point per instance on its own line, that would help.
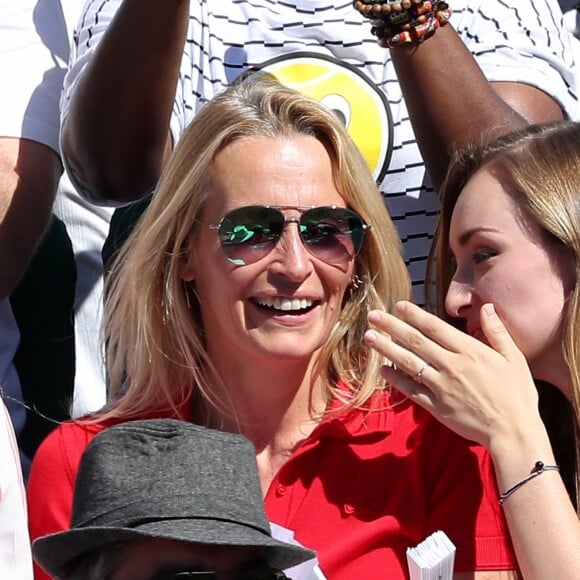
(420, 32)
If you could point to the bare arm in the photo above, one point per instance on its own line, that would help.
(450, 102)
(116, 134)
(486, 394)
(29, 174)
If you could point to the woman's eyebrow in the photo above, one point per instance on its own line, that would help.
(464, 238)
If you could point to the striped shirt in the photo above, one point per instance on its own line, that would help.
(326, 49)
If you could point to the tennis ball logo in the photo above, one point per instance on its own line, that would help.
(349, 93)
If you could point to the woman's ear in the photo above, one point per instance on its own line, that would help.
(187, 266)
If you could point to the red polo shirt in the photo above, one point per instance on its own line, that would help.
(363, 488)
(360, 490)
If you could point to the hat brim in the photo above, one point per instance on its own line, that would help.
(56, 552)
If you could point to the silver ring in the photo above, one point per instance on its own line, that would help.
(419, 376)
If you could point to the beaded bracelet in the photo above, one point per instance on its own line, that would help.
(538, 469)
(420, 32)
(404, 22)
(394, 16)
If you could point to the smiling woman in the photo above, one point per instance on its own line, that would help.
(240, 303)
(240, 314)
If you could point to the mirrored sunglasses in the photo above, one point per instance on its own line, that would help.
(331, 234)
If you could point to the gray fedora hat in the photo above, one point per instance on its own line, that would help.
(163, 478)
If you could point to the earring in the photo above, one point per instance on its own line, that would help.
(356, 282)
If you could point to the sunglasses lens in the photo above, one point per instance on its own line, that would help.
(249, 233)
(332, 234)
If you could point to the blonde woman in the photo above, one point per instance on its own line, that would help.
(240, 303)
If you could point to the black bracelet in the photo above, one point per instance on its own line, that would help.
(538, 469)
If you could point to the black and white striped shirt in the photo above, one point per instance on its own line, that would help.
(326, 49)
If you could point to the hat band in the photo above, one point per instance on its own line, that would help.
(175, 507)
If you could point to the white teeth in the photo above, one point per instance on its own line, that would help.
(285, 304)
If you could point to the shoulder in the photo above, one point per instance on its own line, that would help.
(429, 449)
(53, 474)
(392, 418)
(73, 432)
(64, 447)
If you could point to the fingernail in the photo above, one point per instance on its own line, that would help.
(374, 316)
(489, 309)
(370, 336)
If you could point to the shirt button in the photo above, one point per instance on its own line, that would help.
(348, 508)
(280, 490)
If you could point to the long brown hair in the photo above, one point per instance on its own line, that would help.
(542, 163)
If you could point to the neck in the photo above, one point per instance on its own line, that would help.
(553, 369)
(269, 405)
(275, 407)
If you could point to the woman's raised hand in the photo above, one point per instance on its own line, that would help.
(484, 392)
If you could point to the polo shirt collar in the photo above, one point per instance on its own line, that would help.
(377, 416)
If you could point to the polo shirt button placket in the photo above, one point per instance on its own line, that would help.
(280, 490)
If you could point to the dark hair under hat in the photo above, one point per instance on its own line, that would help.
(163, 478)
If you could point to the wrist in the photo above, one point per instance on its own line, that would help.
(538, 469)
(516, 452)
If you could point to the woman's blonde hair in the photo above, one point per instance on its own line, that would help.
(542, 165)
(155, 355)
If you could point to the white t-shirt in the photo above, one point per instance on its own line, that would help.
(34, 54)
(325, 49)
(15, 556)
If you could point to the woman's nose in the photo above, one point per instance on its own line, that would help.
(291, 258)
(458, 297)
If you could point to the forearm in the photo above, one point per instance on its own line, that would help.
(116, 133)
(29, 174)
(451, 103)
(543, 524)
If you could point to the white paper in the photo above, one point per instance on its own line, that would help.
(432, 559)
(309, 570)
